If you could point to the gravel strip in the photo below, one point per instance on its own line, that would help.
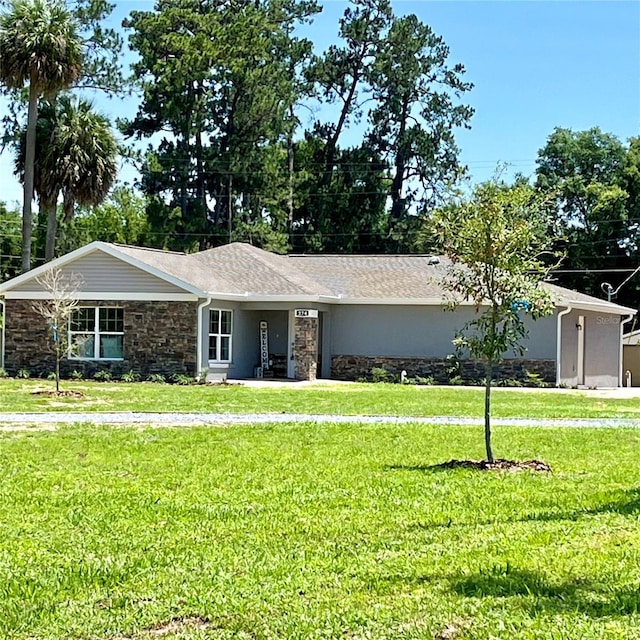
(9, 421)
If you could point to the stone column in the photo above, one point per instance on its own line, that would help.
(305, 348)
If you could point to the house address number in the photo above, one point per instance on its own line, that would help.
(306, 313)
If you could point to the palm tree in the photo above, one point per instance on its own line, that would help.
(39, 46)
(76, 157)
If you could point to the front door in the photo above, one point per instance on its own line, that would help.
(580, 363)
(291, 363)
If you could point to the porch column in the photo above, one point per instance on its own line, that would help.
(305, 348)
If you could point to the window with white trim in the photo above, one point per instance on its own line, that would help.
(96, 333)
(220, 321)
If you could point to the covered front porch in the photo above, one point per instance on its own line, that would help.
(277, 341)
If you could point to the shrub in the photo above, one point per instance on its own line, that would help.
(130, 376)
(76, 375)
(103, 376)
(182, 378)
(3, 373)
(534, 380)
(23, 374)
(420, 380)
(50, 376)
(156, 377)
(452, 367)
(380, 374)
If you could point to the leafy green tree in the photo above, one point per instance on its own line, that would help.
(495, 241)
(415, 114)
(76, 158)
(591, 176)
(221, 80)
(10, 245)
(347, 216)
(39, 47)
(341, 75)
(121, 218)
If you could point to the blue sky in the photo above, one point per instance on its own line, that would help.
(535, 65)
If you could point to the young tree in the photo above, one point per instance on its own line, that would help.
(497, 241)
(40, 47)
(57, 311)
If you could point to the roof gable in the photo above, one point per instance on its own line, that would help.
(102, 268)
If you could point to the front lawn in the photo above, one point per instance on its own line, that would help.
(306, 531)
(352, 399)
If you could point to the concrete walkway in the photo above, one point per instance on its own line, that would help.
(49, 420)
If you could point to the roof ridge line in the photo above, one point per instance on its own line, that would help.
(258, 254)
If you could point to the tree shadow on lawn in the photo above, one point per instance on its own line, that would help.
(625, 503)
(582, 595)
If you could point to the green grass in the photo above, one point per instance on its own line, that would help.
(306, 531)
(368, 399)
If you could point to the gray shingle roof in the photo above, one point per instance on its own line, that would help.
(240, 268)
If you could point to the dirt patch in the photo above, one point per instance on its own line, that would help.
(499, 464)
(63, 393)
(178, 625)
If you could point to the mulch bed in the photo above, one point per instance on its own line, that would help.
(499, 464)
(60, 394)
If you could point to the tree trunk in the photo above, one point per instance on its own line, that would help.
(58, 369)
(51, 211)
(487, 411)
(29, 162)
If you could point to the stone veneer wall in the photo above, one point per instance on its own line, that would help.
(159, 337)
(305, 348)
(354, 367)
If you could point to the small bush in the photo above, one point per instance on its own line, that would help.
(534, 380)
(3, 373)
(420, 381)
(51, 375)
(379, 374)
(452, 367)
(130, 376)
(156, 377)
(182, 378)
(76, 375)
(456, 380)
(23, 374)
(103, 376)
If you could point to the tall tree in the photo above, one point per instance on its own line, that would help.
(590, 174)
(40, 47)
(76, 159)
(415, 114)
(341, 75)
(495, 241)
(218, 83)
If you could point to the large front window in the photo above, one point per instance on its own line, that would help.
(97, 333)
(220, 335)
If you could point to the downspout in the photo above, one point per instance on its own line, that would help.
(201, 307)
(622, 323)
(4, 322)
(559, 345)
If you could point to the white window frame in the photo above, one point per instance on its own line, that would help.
(96, 333)
(218, 336)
